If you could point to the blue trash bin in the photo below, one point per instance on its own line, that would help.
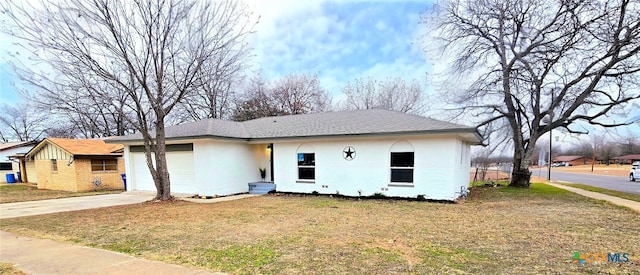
(11, 179)
(124, 180)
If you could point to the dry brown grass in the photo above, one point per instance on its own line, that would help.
(497, 230)
(9, 269)
(30, 192)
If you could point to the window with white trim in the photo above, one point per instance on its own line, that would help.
(306, 166)
(402, 167)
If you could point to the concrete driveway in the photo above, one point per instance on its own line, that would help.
(30, 208)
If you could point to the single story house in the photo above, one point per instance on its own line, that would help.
(570, 160)
(8, 164)
(353, 153)
(77, 164)
(627, 159)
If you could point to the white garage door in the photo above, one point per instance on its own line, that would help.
(139, 178)
(181, 172)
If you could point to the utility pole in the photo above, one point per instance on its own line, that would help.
(549, 162)
(550, 140)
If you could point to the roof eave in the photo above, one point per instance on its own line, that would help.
(43, 143)
(138, 140)
(474, 139)
(21, 144)
(78, 156)
(476, 136)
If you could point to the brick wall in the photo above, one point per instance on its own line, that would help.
(109, 179)
(43, 172)
(77, 177)
(32, 173)
(63, 179)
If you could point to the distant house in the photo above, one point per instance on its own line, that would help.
(77, 164)
(570, 160)
(8, 163)
(627, 159)
(353, 153)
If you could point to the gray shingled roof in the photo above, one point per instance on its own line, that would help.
(360, 122)
(206, 127)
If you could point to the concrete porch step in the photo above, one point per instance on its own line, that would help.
(261, 187)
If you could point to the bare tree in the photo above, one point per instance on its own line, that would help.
(361, 94)
(538, 65)
(216, 89)
(21, 123)
(597, 142)
(300, 94)
(153, 53)
(293, 94)
(63, 129)
(391, 94)
(213, 100)
(89, 113)
(629, 143)
(256, 102)
(583, 148)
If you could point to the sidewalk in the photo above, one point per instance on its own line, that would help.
(39, 256)
(634, 205)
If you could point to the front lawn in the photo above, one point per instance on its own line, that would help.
(29, 192)
(497, 230)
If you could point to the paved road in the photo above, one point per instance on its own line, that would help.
(610, 182)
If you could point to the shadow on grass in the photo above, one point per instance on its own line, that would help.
(29, 192)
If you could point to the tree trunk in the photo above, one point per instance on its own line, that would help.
(148, 154)
(520, 178)
(163, 184)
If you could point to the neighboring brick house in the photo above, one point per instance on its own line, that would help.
(627, 159)
(77, 164)
(8, 164)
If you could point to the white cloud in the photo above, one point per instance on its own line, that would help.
(340, 41)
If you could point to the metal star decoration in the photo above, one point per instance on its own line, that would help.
(349, 153)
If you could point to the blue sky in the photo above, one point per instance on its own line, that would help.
(8, 93)
(338, 40)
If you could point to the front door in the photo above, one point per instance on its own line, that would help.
(271, 160)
